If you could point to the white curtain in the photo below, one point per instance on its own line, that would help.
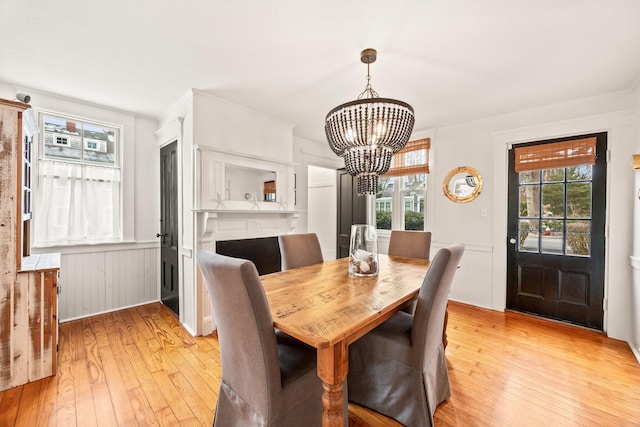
(76, 204)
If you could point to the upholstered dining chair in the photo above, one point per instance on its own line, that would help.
(298, 250)
(399, 368)
(268, 377)
(411, 244)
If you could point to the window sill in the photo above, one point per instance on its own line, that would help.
(97, 247)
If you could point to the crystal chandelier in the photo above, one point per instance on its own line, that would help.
(367, 132)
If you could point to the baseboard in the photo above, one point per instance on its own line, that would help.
(635, 349)
(208, 325)
(105, 311)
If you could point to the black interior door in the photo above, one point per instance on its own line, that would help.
(556, 239)
(169, 287)
(352, 209)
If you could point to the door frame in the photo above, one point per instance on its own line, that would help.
(169, 133)
(560, 262)
(302, 178)
(501, 143)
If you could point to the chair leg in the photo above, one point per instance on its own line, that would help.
(444, 328)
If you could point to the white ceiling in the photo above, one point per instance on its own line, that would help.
(454, 61)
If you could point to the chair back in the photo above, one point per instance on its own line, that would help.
(298, 250)
(411, 244)
(428, 318)
(248, 346)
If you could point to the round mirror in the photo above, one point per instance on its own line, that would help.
(462, 184)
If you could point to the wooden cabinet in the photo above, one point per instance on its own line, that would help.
(38, 281)
(28, 297)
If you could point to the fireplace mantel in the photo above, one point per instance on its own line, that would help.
(242, 224)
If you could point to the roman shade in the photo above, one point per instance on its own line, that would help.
(412, 159)
(563, 154)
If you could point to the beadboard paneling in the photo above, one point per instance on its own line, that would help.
(99, 281)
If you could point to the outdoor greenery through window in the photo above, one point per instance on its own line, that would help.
(401, 191)
(555, 210)
(78, 193)
(404, 195)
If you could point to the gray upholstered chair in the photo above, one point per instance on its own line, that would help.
(268, 377)
(298, 250)
(412, 244)
(399, 368)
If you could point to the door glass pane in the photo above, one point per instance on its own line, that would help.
(529, 177)
(579, 173)
(529, 201)
(553, 200)
(528, 235)
(561, 202)
(579, 237)
(553, 175)
(552, 236)
(579, 200)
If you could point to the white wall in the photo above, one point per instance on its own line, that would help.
(227, 126)
(635, 258)
(102, 278)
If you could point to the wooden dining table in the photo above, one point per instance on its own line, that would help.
(327, 308)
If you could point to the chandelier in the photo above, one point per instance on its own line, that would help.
(367, 132)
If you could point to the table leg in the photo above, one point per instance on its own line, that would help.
(332, 369)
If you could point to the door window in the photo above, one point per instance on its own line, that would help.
(555, 211)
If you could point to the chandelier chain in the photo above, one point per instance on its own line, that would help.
(368, 91)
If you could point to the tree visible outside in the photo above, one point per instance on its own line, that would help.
(410, 191)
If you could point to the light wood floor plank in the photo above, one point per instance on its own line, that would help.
(140, 367)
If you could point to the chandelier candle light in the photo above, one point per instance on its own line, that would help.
(367, 132)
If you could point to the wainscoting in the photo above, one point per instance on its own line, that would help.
(99, 279)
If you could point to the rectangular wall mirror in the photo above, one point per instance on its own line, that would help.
(244, 183)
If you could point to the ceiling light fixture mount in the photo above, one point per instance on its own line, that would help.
(367, 132)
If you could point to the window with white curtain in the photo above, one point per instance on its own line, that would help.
(79, 183)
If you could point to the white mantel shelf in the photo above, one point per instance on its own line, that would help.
(229, 224)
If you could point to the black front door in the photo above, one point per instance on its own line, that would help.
(556, 239)
(169, 286)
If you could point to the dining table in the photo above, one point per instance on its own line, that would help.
(328, 308)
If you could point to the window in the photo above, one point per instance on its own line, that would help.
(78, 193)
(401, 192)
(62, 140)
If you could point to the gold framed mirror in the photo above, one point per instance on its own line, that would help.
(462, 184)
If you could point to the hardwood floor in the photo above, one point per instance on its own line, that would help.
(139, 367)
